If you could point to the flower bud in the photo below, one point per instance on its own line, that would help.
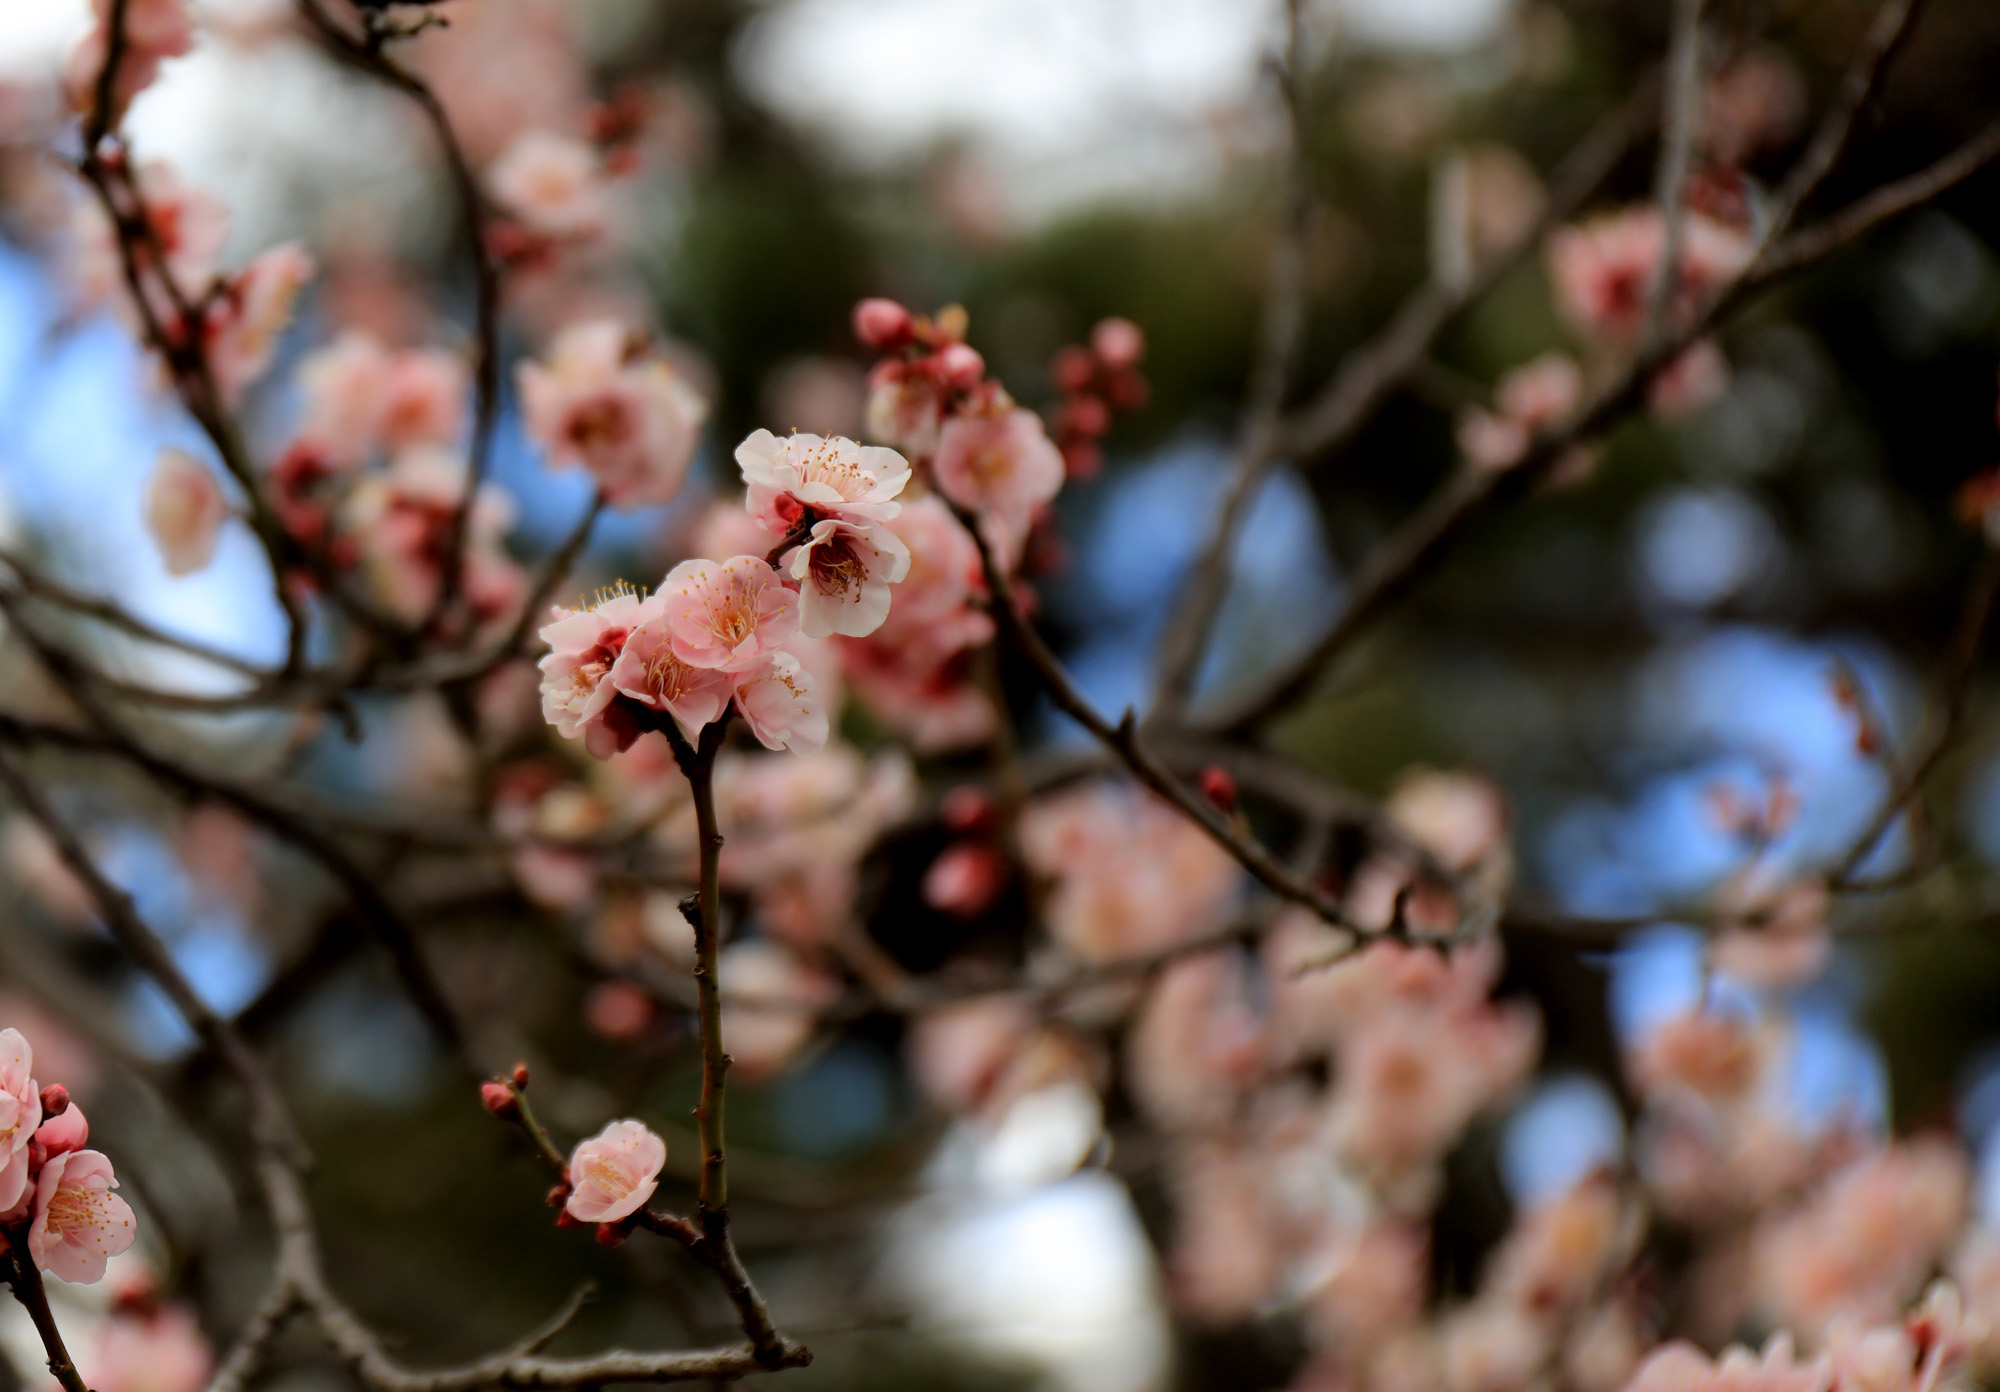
(881, 323)
(558, 1195)
(520, 1075)
(499, 1098)
(1119, 343)
(966, 808)
(1074, 368)
(961, 366)
(1218, 787)
(55, 1100)
(611, 1235)
(564, 1220)
(965, 880)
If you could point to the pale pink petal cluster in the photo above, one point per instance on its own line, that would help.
(584, 645)
(733, 615)
(399, 520)
(844, 573)
(553, 184)
(20, 1114)
(1717, 1058)
(1865, 1242)
(776, 701)
(364, 399)
(1560, 1251)
(1004, 469)
(1604, 270)
(648, 670)
(612, 1174)
(79, 1224)
(184, 510)
(1681, 1367)
(156, 1350)
(1528, 400)
(1197, 1044)
(245, 320)
(603, 399)
(829, 476)
(1129, 875)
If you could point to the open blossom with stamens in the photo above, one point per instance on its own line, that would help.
(648, 671)
(584, 645)
(20, 1114)
(731, 614)
(612, 1174)
(834, 477)
(1003, 468)
(185, 511)
(553, 184)
(777, 703)
(604, 400)
(79, 1223)
(844, 573)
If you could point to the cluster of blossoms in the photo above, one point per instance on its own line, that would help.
(1095, 381)
(56, 1199)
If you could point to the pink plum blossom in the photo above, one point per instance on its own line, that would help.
(833, 477)
(612, 1174)
(185, 511)
(905, 407)
(604, 400)
(244, 322)
(1711, 1056)
(776, 702)
(1604, 270)
(1681, 1367)
(648, 671)
(1530, 399)
(553, 184)
(1196, 1045)
(159, 1350)
(79, 1223)
(400, 520)
(731, 614)
(844, 573)
(1130, 874)
(1001, 468)
(20, 1114)
(584, 646)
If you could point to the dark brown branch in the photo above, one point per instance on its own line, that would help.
(17, 1269)
(358, 52)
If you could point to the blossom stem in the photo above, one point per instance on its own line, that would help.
(26, 1282)
(705, 914)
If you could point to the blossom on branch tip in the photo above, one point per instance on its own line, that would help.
(612, 1174)
(1002, 468)
(831, 476)
(185, 511)
(603, 399)
(79, 1223)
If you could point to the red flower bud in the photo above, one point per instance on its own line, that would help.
(611, 1235)
(55, 1100)
(500, 1099)
(1086, 415)
(966, 808)
(1074, 369)
(881, 324)
(564, 1220)
(520, 1075)
(961, 366)
(1219, 788)
(558, 1195)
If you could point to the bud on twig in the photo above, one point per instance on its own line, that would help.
(1218, 787)
(55, 1100)
(520, 1075)
(558, 1195)
(500, 1099)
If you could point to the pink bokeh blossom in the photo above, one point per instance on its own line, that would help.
(604, 400)
(185, 511)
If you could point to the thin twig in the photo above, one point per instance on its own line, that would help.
(1684, 95)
